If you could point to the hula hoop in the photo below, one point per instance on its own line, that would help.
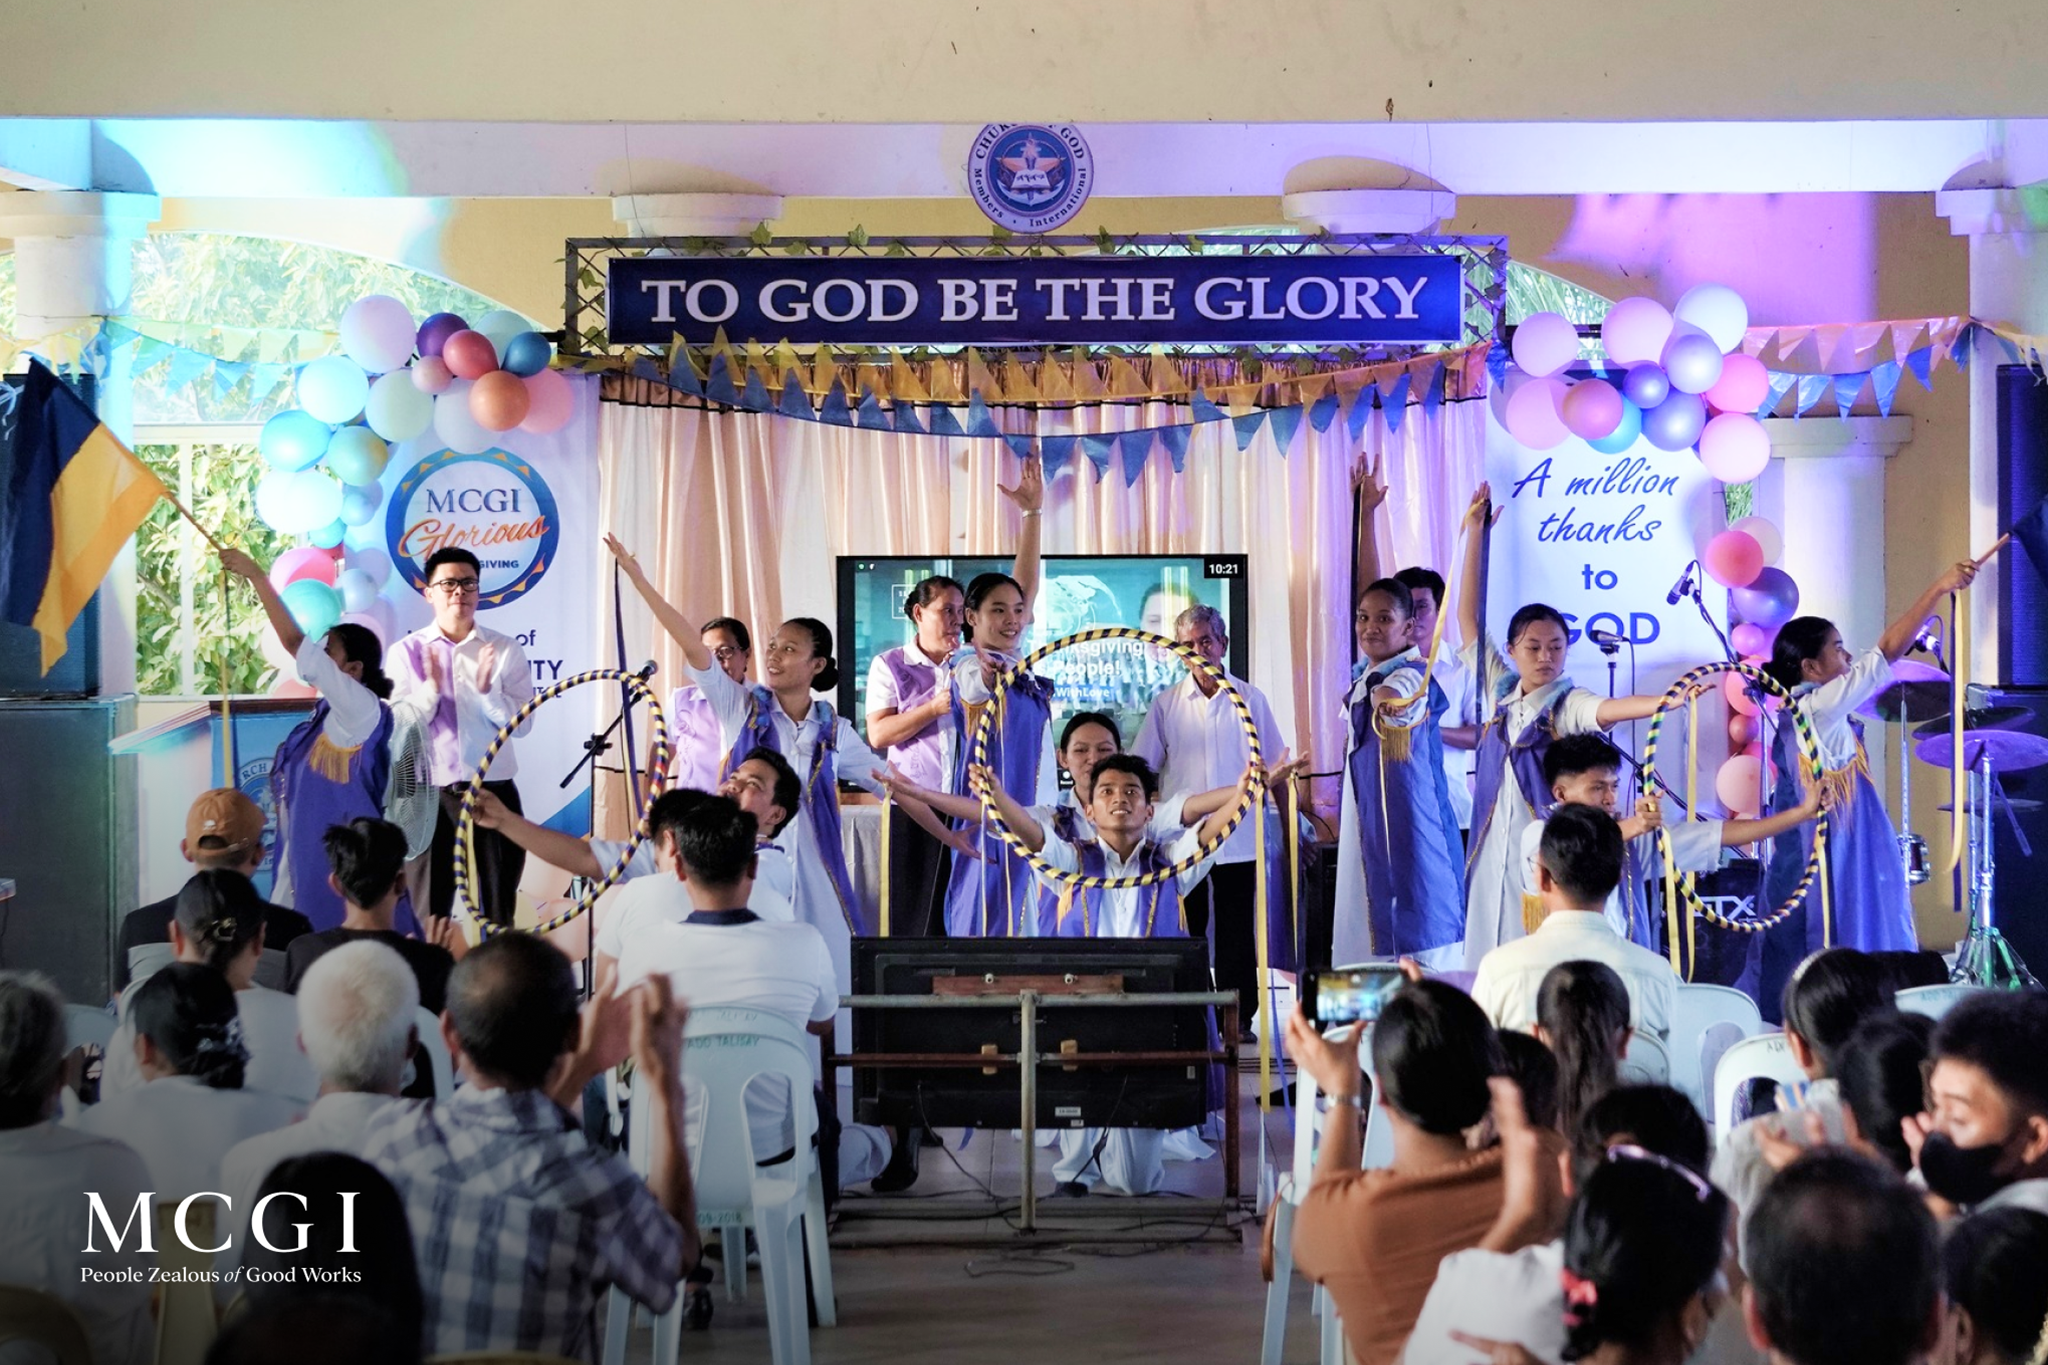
(637, 689)
(1809, 753)
(994, 816)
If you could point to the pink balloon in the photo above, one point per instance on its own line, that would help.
(551, 402)
(1735, 448)
(469, 355)
(1738, 784)
(1733, 559)
(1735, 688)
(430, 374)
(1592, 409)
(369, 621)
(1535, 415)
(307, 561)
(1741, 729)
(1635, 330)
(1743, 386)
(1750, 638)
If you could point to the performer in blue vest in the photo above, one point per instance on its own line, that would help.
(1525, 702)
(335, 766)
(819, 744)
(1121, 844)
(1400, 891)
(1586, 770)
(1867, 905)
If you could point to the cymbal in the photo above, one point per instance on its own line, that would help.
(2021, 804)
(2008, 750)
(1978, 718)
(1917, 700)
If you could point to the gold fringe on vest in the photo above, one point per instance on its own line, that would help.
(332, 761)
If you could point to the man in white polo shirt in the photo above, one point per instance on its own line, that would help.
(1578, 865)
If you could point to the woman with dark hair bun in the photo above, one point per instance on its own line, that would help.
(1865, 904)
(336, 766)
(191, 1106)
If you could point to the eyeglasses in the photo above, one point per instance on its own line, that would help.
(1628, 1151)
(455, 587)
(723, 653)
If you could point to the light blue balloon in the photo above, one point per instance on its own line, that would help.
(501, 325)
(1623, 436)
(359, 505)
(525, 354)
(356, 455)
(294, 440)
(334, 389)
(329, 536)
(313, 605)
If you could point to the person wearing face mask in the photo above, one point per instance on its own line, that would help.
(1983, 1142)
(1867, 897)
(1994, 1269)
(1526, 701)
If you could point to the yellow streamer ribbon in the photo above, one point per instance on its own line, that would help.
(884, 838)
(1261, 931)
(1959, 684)
(1692, 800)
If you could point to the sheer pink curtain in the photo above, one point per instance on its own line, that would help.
(744, 514)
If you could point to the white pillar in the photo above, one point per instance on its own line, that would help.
(72, 263)
(2008, 284)
(1824, 488)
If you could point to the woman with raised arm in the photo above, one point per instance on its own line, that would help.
(336, 765)
(1525, 701)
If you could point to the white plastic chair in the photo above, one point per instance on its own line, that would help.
(1767, 1055)
(1933, 1001)
(146, 960)
(85, 1026)
(724, 1049)
(1645, 1062)
(1701, 1019)
(436, 1048)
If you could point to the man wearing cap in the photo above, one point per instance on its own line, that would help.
(223, 831)
(475, 680)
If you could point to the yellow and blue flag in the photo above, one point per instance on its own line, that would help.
(74, 497)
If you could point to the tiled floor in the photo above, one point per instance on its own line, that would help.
(1184, 1287)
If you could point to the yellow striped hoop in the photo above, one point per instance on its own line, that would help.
(637, 690)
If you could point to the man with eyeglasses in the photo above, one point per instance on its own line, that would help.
(479, 679)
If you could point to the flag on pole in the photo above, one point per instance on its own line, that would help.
(75, 496)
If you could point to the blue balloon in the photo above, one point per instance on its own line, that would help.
(315, 606)
(525, 354)
(329, 536)
(1676, 422)
(294, 440)
(1623, 436)
(1645, 385)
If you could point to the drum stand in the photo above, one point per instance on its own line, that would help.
(1985, 958)
(1912, 848)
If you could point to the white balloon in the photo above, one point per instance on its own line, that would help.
(1543, 344)
(333, 389)
(1716, 310)
(456, 426)
(357, 591)
(1767, 535)
(377, 332)
(397, 410)
(297, 503)
(372, 563)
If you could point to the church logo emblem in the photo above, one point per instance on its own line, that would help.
(1030, 177)
(493, 504)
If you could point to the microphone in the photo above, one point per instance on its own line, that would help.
(646, 671)
(1607, 640)
(1682, 586)
(1928, 641)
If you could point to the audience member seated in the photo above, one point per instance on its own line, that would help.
(498, 1176)
(1984, 1142)
(357, 1010)
(1374, 1239)
(45, 1174)
(1842, 1265)
(1508, 1289)
(662, 898)
(1883, 1080)
(1994, 1269)
(1533, 1069)
(338, 1227)
(1577, 865)
(724, 954)
(366, 862)
(219, 926)
(315, 1329)
(191, 1107)
(1582, 1017)
(223, 831)
(1827, 997)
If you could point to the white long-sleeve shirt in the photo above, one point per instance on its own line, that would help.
(461, 727)
(1197, 744)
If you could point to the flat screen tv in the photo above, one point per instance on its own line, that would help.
(1120, 677)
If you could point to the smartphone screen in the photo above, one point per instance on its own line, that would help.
(1350, 995)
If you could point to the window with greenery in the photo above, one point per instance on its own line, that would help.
(1531, 290)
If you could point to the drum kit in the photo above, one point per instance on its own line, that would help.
(1920, 697)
